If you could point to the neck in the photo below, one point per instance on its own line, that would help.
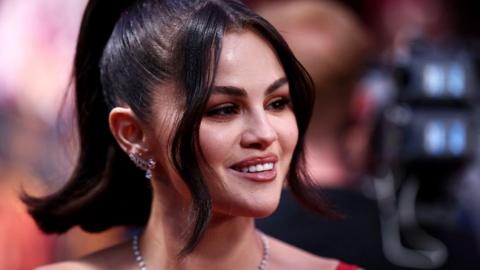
(227, 243)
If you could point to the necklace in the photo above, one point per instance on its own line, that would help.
(261, 266)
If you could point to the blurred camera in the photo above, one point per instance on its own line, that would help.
(431, 122)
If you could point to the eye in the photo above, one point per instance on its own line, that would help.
(223, 110)
(279, 104)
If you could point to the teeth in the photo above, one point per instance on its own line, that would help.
(257, 168)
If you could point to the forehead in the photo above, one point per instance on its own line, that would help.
(247, 59)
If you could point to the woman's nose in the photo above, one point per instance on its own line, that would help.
(258, 132)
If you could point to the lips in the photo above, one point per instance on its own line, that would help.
(260, 168)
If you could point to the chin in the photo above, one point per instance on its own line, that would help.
(258, 209)
(256, 202)
(264, 213)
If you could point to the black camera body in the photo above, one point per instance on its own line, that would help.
(432, 125)
(426, 138)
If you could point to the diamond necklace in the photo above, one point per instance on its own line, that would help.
(143, 266)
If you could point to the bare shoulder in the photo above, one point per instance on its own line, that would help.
(115, 257)
(286, 256)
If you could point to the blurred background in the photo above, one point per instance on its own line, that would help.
(393, 143)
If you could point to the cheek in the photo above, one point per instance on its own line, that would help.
(288, 134)
(215, 143)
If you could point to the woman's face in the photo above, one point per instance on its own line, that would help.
(247, 135)
(248, 132)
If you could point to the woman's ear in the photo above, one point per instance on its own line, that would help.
(127, 130)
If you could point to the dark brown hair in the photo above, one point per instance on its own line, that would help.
(125, 49)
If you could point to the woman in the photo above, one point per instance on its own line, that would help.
(203, 98)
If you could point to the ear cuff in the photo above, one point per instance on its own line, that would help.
(146, 165)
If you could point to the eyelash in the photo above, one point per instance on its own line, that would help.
(279, 104)
(226, 110)
(223, 110)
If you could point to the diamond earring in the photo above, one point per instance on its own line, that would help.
(146, 165)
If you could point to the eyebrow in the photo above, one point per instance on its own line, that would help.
(240, 92)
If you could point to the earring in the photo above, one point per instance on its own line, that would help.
(146, 165)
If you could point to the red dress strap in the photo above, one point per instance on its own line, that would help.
(344, 266)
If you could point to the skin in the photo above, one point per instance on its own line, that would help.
(252, 119)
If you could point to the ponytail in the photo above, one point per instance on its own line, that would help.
(102, 191)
